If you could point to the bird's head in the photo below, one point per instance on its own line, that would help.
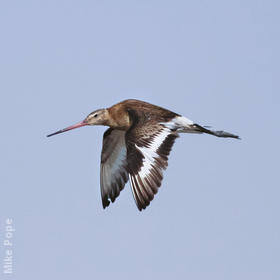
(97, 117)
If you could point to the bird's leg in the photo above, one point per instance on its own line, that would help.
(219, 133)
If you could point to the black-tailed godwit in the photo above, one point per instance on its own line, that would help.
(136, 146)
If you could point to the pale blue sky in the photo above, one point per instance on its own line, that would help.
(216, 215)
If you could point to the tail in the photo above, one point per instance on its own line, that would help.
(220, 133)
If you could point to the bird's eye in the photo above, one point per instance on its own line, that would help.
(95, 115)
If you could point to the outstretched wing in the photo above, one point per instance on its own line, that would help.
(113, 173)
(148, 148)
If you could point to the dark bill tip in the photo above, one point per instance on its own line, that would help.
(80, 124)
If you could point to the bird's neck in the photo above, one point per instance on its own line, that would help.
(118, 118)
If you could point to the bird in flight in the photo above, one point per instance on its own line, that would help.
(136, 146)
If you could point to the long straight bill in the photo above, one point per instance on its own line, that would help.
(80, 124)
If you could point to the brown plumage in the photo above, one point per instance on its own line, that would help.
(136, 147)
